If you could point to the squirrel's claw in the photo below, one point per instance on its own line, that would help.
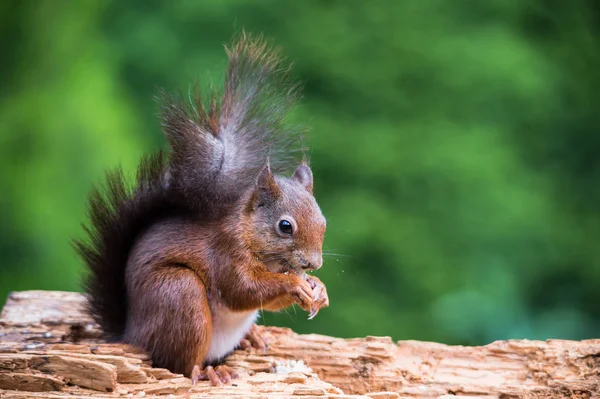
(320, 297)
(195, 375)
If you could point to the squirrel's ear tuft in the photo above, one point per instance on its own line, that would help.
(266, 186)
(304, 176)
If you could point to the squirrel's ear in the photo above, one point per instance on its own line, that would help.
(266, 186)
(304, 176)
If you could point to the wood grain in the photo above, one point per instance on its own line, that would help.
(49, 348)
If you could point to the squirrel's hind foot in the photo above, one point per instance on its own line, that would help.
(254, 339)
(217, 375)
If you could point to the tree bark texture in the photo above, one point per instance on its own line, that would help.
(50, 348)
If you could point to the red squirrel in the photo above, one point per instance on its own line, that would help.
(181, 262)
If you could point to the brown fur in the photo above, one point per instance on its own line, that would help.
(198, 233)
(181, 269)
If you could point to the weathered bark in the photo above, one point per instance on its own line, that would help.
(50, 348)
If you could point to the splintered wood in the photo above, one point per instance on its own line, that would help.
(49, 348)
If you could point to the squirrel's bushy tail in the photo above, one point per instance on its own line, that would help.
(117, 215)
(217, 148)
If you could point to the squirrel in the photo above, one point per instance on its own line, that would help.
(214, 230)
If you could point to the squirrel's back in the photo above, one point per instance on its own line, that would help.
(217, 149)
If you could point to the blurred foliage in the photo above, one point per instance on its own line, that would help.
(454, 143)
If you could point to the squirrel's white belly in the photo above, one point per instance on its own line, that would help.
(228, 329)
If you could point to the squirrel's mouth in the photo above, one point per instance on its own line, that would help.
(283, 266)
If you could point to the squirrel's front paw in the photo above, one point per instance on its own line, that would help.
(320, 297)
(302, 293)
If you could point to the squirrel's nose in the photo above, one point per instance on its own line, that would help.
(314, 261)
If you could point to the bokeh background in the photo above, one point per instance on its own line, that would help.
(455, 146)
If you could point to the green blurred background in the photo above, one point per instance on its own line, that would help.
(454, 143)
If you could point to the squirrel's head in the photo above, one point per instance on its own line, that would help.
(286, 224)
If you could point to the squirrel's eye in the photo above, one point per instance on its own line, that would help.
(285, 227)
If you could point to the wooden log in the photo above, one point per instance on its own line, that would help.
(49, 347)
